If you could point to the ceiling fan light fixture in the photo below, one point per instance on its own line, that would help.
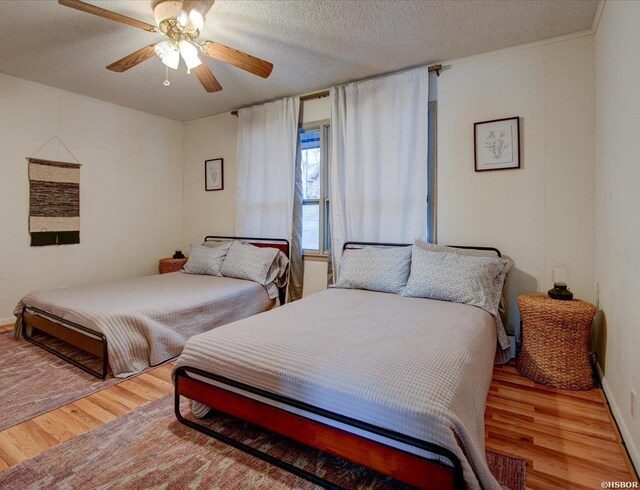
(183, 18)
(168, 52)
(193, 21)
(189, 54)
(196, 19)
(165, 10)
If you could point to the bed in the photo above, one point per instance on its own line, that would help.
(392, 383)
(132, 324)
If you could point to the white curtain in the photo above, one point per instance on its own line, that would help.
(378, 167)
(267, 141)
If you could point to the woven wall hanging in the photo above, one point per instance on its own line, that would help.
(54, 200)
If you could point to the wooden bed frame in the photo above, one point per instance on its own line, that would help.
(94, 342)
(404, 466)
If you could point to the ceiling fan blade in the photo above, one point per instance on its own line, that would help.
(237, 58)
(202, 6)
(107, 14)
(206, 77)
(133, 59)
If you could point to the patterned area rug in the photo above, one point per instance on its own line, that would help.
(34, 381)
(149, 448)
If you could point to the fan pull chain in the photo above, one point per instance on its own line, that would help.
(166, 82)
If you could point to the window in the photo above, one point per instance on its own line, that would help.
(314, 146)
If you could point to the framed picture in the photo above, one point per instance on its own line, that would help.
(214, 174)
(497, 144)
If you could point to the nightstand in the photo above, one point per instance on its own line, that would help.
(171, 265)
(555, 341)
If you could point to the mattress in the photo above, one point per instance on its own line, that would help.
(148, 320)
(415, 366)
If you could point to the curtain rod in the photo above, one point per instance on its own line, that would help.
(316, 95)
(436, 68)
(325, 93)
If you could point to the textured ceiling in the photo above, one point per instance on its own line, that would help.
(312, 43)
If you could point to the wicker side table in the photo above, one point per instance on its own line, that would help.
(171, 265)
(555, 341)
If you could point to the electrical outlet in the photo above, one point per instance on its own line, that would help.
(634, 403)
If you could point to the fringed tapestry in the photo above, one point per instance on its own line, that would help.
(54, 202)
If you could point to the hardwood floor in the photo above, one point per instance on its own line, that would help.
(567, 438)
(30, 438)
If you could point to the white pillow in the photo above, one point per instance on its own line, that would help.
(375, 269)
(458, 278)
(206, 260)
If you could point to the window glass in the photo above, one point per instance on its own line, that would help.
(313, 163)
(310, 226)
(310, 145)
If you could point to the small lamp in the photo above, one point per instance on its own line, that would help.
(560, 277)
(178, 254)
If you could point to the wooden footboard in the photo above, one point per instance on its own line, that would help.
(87, 343)
(401, 465)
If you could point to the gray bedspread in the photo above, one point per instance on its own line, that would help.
(420, 367)
(148, 320)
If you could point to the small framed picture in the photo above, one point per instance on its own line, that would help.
(214, 174)
(497, 144)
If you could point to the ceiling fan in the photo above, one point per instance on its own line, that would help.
(181, 23)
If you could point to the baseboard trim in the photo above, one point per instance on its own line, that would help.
(630, 446)
(7, 321)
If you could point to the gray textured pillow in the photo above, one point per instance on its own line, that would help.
(217, 243)
(432, 247)
(376, 269)
(206, 260)
(245, 261)
(458, 278)
(474, 252)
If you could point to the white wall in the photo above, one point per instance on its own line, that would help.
(618, 209)
(130, 191)
(542, 213)
(213, 213)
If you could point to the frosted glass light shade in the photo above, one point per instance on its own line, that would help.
(192, 21)
(196, 20)
(189, 54)
(560, 275)
(168, 53)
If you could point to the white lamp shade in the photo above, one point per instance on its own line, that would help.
(168, 53)
(189, 54)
